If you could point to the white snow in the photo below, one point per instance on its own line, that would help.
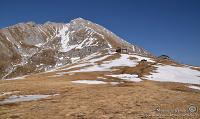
(92, 32)
(39, 44)
(122, 61)
(21, 98)
(133, 48)
(59, 64)
(88, 61)
(101, 77)
(64, 39)
(169, 73)
(114, 83)
(75, 59)
(5, 93)
(61, 58)
(107, 65)
(89, 82)
(94, 82)
(109, 45)
(40, 28)
(88, 43)
(8, 93)
(127, 77)
(194, 87)
(16, 78)
(92, 69)
(65, 33)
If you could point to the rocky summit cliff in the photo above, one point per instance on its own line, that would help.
(31, 48)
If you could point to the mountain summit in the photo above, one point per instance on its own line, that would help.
(29, 47)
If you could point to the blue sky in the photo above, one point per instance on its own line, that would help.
(170, 27)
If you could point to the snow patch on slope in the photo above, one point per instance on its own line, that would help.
(94, 82)
(64, 34)
(7, 93)
(22, 98)
(107, 65)
(169, 73)
(88, 61)
(127, 77)
(18, 78)
(194, 87)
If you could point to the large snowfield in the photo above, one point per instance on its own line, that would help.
(167, 73)
(108, 65)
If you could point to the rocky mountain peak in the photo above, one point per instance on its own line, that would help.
(29, 47)
(79, 19)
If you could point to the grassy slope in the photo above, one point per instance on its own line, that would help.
(78, 101)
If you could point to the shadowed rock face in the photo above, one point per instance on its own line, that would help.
(30, 48)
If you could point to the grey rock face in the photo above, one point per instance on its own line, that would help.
(30, 48)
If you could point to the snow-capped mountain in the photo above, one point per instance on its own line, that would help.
(29, 47)
(82, 70)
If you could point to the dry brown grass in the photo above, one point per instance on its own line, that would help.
(141, 69)
(79, 101)
(168, 62)
(196, 68)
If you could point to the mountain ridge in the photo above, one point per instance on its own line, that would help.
(27, 46)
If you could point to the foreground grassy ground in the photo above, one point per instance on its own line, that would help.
(128, 100)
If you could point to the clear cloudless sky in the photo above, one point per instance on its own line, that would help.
(170, 27)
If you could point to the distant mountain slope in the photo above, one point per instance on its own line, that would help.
(29, 47)
(123, 67)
